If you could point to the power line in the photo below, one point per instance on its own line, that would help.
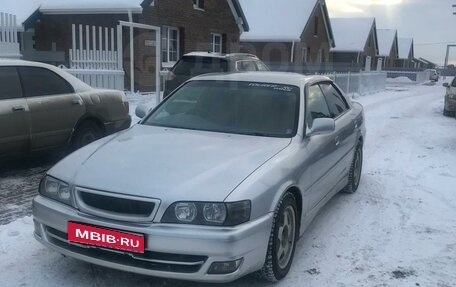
(434, 43)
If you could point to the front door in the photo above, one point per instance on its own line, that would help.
(323, 148)
(14, 114)
(54, 107)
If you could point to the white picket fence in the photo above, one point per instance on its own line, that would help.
(94, 57)
(9, 45)
(360, 83)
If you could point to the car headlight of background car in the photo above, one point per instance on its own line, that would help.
(208, 213)
(452, 96)
(56, 189)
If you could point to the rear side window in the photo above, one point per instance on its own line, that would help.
(246, 66)
(42, 82)
(261, 66)
(10, 85)
(316, 105)
(194, 66)
(336, 102)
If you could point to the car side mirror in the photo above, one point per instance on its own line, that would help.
(322, 126)
(141, 111)
(446, 85)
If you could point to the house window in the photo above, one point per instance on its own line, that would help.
(305, 54)
(170, 44)
(198, 4)
(216, 43)
(320, 56)
(316, 26)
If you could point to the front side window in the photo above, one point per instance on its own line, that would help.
(216, 43)
(337, 103)
(170, 44)
(316, 105)
(261, 66)
(10, 85)
(249, 108)
(42, 82)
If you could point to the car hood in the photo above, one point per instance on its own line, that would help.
(168, 164)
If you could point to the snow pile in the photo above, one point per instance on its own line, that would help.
(385, 38)
(351, 34)
(272, 20)
(401, 79)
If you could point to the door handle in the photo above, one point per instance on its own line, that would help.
(337, 140)
(18, 108)
(75, 102)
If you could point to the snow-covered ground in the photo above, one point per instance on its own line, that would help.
(399, 229)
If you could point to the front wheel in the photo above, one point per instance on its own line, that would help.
(354, 175)
(282, 242)
(448, 113)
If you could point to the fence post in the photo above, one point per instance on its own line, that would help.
(348, 82)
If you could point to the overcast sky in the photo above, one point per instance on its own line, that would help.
(426, 21)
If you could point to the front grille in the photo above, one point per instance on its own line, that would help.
(149, 260)
(118, 205)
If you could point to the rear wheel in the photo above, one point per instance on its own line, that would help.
(448, 113)
(85, 134)
(282, 242)
(354, 175)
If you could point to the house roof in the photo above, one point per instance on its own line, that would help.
(23, 9)
(405, 47)
(352, 34)
(386, 39)
(280, 21)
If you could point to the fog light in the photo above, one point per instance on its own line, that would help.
(226, 267)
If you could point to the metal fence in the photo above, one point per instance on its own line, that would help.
(9, 45)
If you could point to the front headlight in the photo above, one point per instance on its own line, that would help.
(56, 189)
(208, 213)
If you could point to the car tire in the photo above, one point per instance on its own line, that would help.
(85, 134)
(282, 241)
(356, 167)
(448, 113)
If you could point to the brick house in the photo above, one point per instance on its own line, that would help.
(406, 53)
(186, 26)
(387, 47)
(356, 39)
(295, 32)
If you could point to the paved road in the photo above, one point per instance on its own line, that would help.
(19, 180)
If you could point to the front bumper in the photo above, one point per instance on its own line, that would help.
(183, 252)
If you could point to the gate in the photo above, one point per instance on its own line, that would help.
(9, 45)
(94, 57)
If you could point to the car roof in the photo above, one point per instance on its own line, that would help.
(77, 84)
(222, 56)
(284, 78)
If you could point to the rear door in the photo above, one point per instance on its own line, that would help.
(14, 114)
(345, 137)
(54, 107)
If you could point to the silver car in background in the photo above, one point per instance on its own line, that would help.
(217, 182)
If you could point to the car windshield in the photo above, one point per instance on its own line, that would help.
(194, 66)
(231, 107)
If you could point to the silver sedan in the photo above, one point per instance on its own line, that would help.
(217, 182)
